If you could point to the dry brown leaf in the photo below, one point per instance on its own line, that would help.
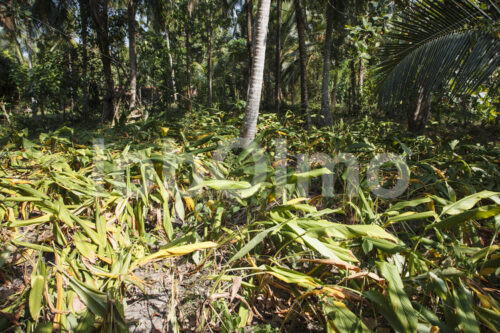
(363, 274)
(235, 287)
(335, 262)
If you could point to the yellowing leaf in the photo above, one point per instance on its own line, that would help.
(164, 131)
(296, 201)
(189, 203)
(174, 252)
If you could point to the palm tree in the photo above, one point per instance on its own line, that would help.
(255, 88)
(437, 46)
(249, 12)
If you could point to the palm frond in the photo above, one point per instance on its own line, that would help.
(438, 44)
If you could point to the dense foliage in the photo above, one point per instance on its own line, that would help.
(129, 202)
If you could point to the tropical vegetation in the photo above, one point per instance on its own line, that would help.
(197, 165)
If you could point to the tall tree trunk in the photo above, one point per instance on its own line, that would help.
(250, 39)
(188, 65)
(29, 47)
(84, 17)
(70, 75)
(334, 90)
(171, 64)
(353, 89)
(100, 16)
(277, 60)
(132, 52)
(361, 76)
(340, 23)
(325, 101)
(254, 93)
(304, 97)
(249, 9)
(209, 67)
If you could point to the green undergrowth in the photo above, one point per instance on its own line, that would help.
(82, 210)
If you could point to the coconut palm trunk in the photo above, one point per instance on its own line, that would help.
(304, 95)
(249, 7)
(255, 87)
(325, 101)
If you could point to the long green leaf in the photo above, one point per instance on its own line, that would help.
(400, 301)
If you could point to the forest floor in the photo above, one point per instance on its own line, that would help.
(130, 249)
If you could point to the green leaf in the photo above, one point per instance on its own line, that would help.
(463, 301)
(100, 223)
(476, 214)
(343, 231)
(341, 319)
(253, 243)
(222, 184)
(399, 300)
(293, 277)
(468, 202)
(313, 243)
(299, 177)
(383, 306)
(36, 294)
(412, 203)
(93, 298)
(410, 216)
(432, 318)
(33, 246)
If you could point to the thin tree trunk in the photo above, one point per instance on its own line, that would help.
(171, 64)
(2, 105)
(254, 93)
(84, 16)
(70, 75)
(420, 115)
(209, 70)
(29, 47)
(334, 90)
(132, 52)
(277, 88)
(325, 101)
(304, 97)
(101, 22)
(188, 65)
(353, 89)
(361, 77)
